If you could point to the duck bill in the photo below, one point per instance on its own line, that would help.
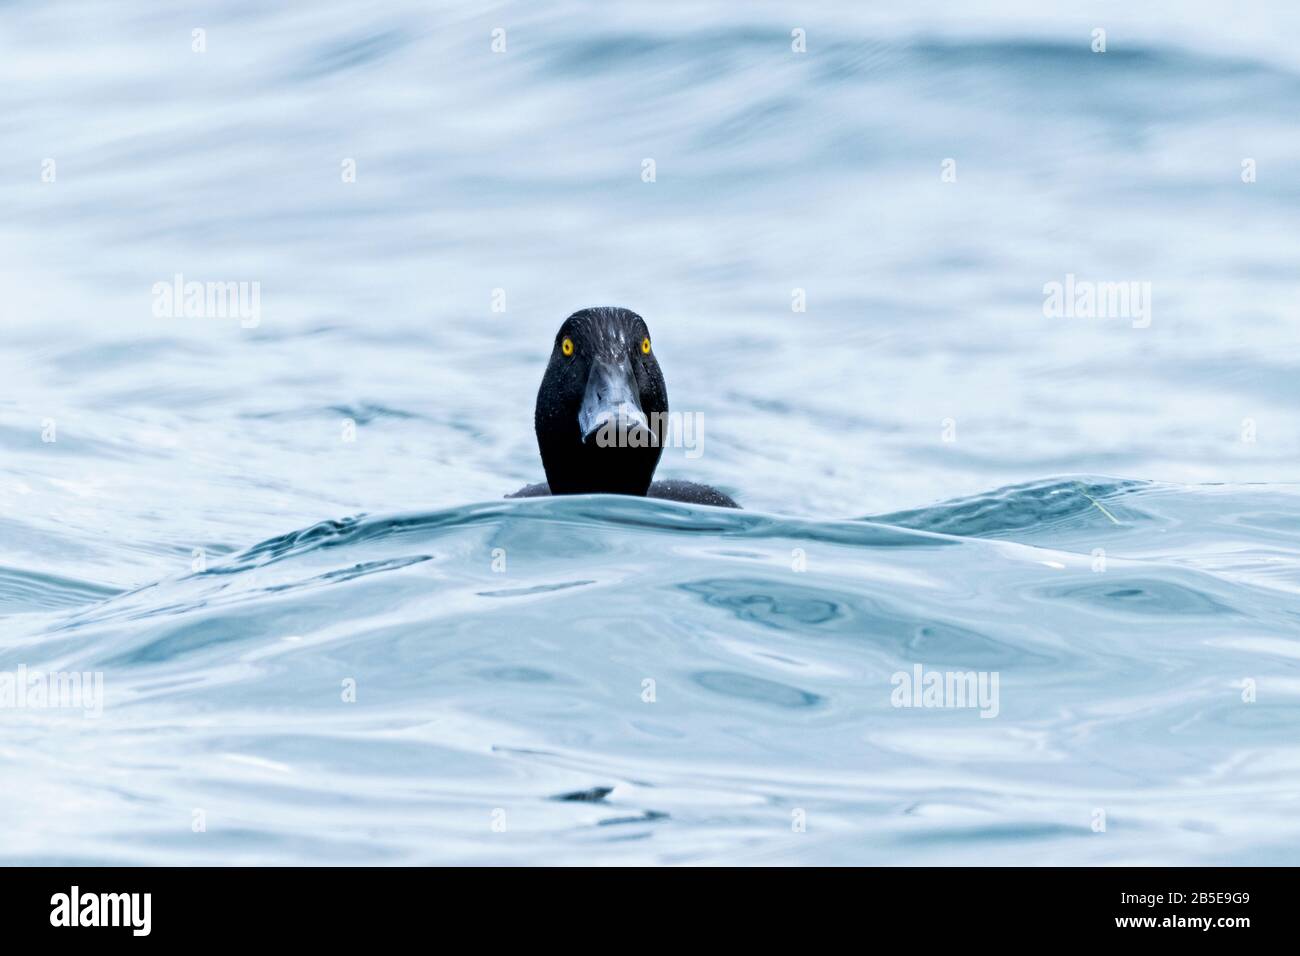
(611, 412)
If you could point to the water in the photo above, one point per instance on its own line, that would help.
(1104, 516)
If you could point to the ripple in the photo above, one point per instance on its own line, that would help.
(783, 607)
(1142, 596)
(1038, 506)
(757, 689)
(36, 591)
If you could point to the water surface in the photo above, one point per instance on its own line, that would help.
(934, 473)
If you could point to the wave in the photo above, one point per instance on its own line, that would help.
(1060, 521)
(1050, 513)
(606, 666)
(1038, 506)
(25, 591)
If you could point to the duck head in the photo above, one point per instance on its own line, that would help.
(602, 407)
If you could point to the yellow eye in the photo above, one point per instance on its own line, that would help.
(567, 346)
(645, 346)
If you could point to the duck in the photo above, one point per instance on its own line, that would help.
(602, 413)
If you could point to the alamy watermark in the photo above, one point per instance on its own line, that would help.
(921, 688)
(26, 689)
(75, 908)
(208, 300)
(1085, 299)
(680, 430)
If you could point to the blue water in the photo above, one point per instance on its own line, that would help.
(319, 650)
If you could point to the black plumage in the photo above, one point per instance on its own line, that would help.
(602, 413)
